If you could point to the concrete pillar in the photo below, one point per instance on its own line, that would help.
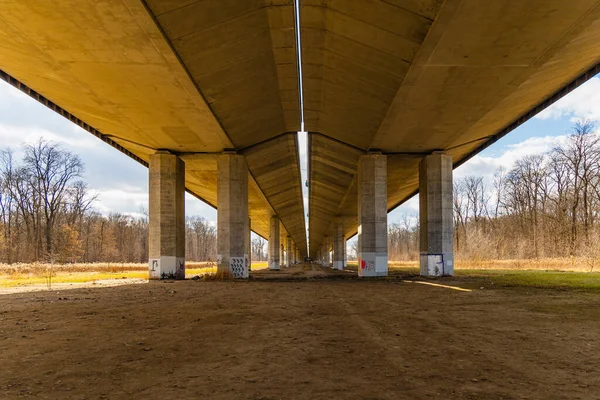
(345, 253)
(232, 215)
(281, 255)
(274, 245)
(372, 215)
(323, 260)
(250, 244)
(435, 215)
(338, 246)
(288, 252)
(167, 217)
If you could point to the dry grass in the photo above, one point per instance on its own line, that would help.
(47, 274)
(577, 264)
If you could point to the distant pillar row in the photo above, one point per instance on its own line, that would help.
(166, 216)
(435, 215)
(372, 215)
(232, 217)
(274, 245)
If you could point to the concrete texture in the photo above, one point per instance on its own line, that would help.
(372, 215)
(250, 244)
(294, 260)
(288, 252)
(166, 217)
(435, 215)
(233, 246)
(274, 245)
(338, 246)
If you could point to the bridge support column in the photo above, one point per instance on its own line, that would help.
(232, 217)
(435, 215)
(274, 245)
(338, 246)
(250, 245)
(372, 215)
(281, 255)
(288, 252)
(167, 217)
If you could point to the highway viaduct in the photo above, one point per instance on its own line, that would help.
(210, 95)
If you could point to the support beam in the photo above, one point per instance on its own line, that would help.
(288, 252)
(435, 215)
(167, 216)
(338, 246)
(232, 215)
(372, 215)
(274, 245)
(281, 255)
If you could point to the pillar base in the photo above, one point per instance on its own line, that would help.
(339, 265)
(373, 264)
(433, 265)
(167, 267)
(238, 266)
(274, 266)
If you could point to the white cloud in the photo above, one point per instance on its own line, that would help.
(486, 166)
(583, 102)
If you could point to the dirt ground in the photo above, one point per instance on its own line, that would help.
(283, 336)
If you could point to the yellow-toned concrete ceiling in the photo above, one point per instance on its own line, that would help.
(412, 77)
(406, 77)
(193, 77)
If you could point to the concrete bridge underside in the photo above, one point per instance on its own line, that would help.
(390, 85)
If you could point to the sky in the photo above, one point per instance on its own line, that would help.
(122, 184)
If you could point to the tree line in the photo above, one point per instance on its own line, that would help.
(47, 215)
(546, 205)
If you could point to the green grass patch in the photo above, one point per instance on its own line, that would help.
(541, 279)
(517, 278)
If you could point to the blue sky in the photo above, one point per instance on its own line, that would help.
(122, 183)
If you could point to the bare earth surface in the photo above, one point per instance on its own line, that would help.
(327, 337)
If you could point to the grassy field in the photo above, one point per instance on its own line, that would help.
(14, 275)
(548, 273)
(504, 274)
